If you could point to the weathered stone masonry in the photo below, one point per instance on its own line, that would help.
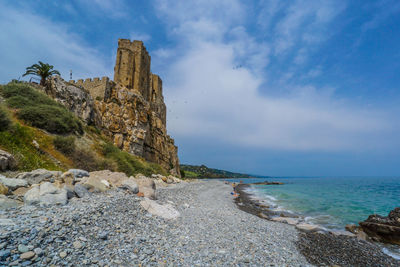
(130, 109)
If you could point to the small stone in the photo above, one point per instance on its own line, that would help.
(22, 248)
(27, 255)
(5, 253)
(63, 254)
(38, 251)
(77, 245)
(103, 235)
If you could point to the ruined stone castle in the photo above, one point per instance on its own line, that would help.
(130, 109)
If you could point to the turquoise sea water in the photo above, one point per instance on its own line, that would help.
(331, 202)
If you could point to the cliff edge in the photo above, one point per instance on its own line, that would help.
(130, 110)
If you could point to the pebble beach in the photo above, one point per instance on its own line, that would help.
(113, 229)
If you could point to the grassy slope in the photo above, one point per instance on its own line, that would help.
(91, 150)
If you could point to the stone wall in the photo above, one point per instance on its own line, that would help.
(97, 87)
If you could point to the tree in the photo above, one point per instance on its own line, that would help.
(43, 70)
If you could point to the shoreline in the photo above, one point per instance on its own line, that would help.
(114, 228)
(314, 243)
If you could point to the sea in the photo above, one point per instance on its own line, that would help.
(331, 202)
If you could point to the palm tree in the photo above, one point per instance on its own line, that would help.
(43, 70)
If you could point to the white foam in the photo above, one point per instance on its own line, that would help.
(391, 253)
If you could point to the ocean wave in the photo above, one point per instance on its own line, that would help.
(392, 253)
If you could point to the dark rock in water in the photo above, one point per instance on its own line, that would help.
(383, 229)
(352, 228)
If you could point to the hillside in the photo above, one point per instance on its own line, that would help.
(193, 171)
(41, 133)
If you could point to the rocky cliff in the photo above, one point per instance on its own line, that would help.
(130, 109)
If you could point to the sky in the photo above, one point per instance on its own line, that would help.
(268, 87)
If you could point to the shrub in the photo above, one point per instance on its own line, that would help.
(39, 110)
(18, 141)
(128, 163)
(88, 160)
(5, 120)
(65, 144)
(51, 118)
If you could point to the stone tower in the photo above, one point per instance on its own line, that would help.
(132, 67)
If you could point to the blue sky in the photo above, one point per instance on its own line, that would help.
(264, 87)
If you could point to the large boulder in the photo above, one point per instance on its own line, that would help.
(81, 191)
(113, 178)
(147, 187)
(383, 229)
(13, 183)
(130, 185)
(6, 203)
(39, 175)
(46, 194)
(95, 184)
(165, 211)
(7, 161)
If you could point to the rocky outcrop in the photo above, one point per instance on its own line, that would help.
(76, 99)
(131, 110)
(7, 161)
(383, 229)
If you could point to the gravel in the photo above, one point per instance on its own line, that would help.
(112, 229)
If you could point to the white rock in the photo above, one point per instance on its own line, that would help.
(106, 183)
(32, 197)
(291, 221)
(47, 188)
(13, 183)
(165, 211)
(46, 194)
(147, 186)
(130, 185)
(6, 203)
(60, 197)
(307, 227)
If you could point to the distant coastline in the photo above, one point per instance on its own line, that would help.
(204, 172)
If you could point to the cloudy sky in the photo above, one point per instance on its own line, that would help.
(285, 88)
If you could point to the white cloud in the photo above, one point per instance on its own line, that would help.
(27, 38)
(140, 36)
(209, 96)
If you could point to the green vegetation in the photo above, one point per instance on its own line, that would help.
(18, 140)
(65, 144)
(39, 110)
(27, 108)
(192, 171)
(5, 120)
(42, 70)
(128, 163)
